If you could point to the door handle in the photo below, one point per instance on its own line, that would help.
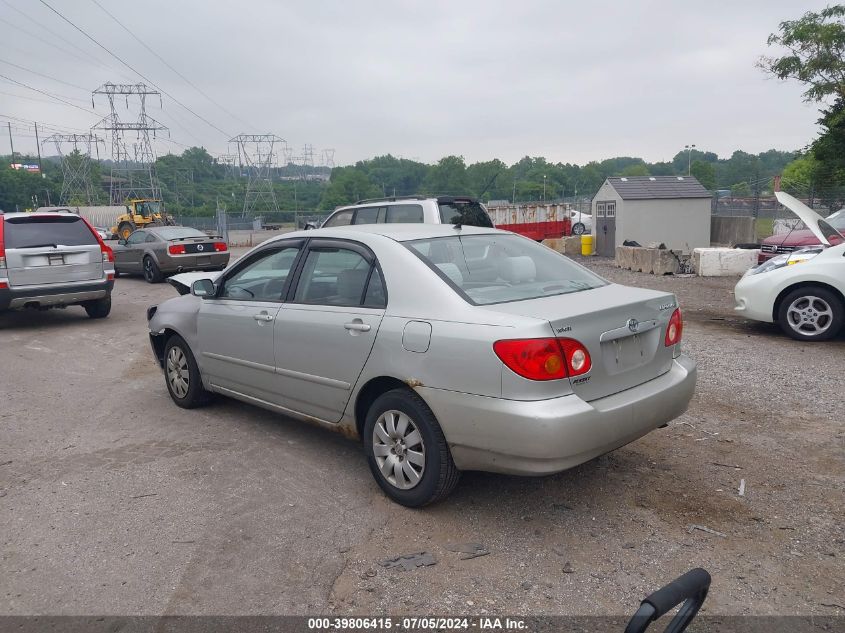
(357, 327)
(263, 316)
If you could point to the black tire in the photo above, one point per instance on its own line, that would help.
(439, 473)
(125, 229)
(177, 372)
(152, 273)
(99, 308)
(811, 313)
(578, 228)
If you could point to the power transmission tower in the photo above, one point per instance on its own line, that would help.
(77, 186)
(307, 160)
(230, 164)
(256, 152)
(133, 170)
(327, 158)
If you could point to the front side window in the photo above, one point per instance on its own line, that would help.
(404, 213)
(333, 276)
(137, 237)
(263, 279)
(496, 268)
(50, 230)
(341, 218)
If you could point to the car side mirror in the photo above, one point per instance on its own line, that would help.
(122, 242)
(202, 288)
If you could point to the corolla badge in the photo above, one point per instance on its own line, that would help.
(633, 325)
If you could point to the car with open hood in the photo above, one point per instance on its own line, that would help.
(798, 238)
(803, 291)
(443, 347)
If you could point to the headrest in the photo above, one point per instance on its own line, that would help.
(350, 283)
(515, 270)
(452, 272)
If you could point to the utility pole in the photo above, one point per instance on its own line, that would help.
(11, 142)
(38, 146)
(76, 167)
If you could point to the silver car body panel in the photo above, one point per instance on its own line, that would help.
(305, 363)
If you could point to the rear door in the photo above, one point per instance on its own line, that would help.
(326, 329)
(51, 249)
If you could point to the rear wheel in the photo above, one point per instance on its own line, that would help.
(407, 451)
(125, 229)
(152, 273)
(98, 309)
(182, 375)
(811, 313)
(578, 228)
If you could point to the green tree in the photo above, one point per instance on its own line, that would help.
(815, 52)
(705, 173)
(348, 185)
(829, 153)
(740, 190)
(800, 174)
(637, 169)
(448, 176)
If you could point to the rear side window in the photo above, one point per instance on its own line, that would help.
(341, 218)
(405, 213)
(464, 213)
(369, 215)
(35, 231)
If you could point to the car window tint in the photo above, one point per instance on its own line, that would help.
(332, 276)
(341, 218)
(137, 237)
(464, 213)
(151, 237)
(28, 232)
(376, 297)
(404, 213)
(262, 279)
(369, 215)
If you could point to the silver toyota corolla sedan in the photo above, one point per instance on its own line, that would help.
(443, 348)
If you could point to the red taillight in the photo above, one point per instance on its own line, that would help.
(108, 253)
(2, 246)
(675, 328)
(544, 358)
(220, 247)
(176, 249)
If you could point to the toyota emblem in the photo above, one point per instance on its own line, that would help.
(633, 325)
(199, 247)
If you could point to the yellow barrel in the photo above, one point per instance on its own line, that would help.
(586, 244)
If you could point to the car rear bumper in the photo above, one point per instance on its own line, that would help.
(186, 263)
(54, 295)
(547, 436)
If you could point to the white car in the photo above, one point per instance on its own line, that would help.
(581, 222)
(803, 291)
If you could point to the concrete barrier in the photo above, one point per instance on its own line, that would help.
(723, 262)
(657, 261)
(567, 245)
(726, 230)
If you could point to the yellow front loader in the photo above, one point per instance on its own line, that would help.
(140, 212)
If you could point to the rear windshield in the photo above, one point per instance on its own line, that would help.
(34, 231)
(465, 213)
(499, 268)
(178, 232)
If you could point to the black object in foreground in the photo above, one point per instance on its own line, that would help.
(691, 589)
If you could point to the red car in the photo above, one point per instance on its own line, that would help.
(799, 238)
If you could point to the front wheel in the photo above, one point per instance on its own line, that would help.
(99, 308)
(125, 229)
(152, 273)
(182, 375)
(407, 451)
(578, 228)
(811, 313)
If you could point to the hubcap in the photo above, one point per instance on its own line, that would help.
(809, 315)
(177, 372)
(399, 450)
(148, 269)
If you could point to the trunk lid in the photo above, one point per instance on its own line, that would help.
(622, 328)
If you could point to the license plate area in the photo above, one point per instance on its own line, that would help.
(630, 352)
(55, 259)
(203, 260)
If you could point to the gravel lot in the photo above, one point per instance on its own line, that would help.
(114, 501)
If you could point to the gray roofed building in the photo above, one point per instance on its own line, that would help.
(658, 187)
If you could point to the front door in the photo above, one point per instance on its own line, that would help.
(236, 328)
(606, 228)
(128, 257)
(326, 330)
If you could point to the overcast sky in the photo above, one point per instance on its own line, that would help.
(569, 81)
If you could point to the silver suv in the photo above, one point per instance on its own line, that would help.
(52, 260)
(411, 210)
